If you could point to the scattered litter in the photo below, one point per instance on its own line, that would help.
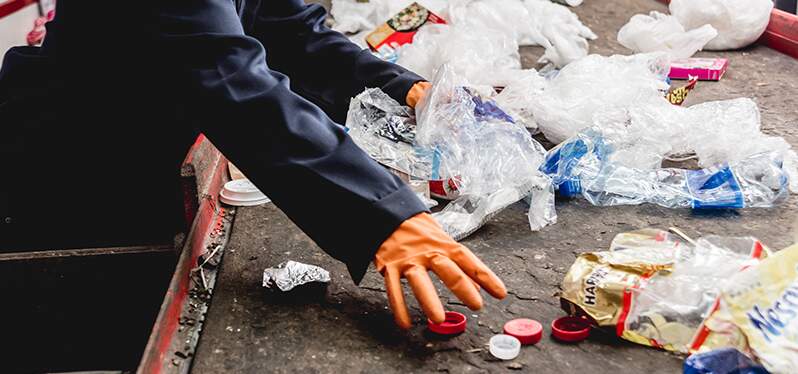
(455, 323)
(757, 313)
(465, 139)
(290, 274)
(738, 22)
(655, 288)
(242, 192)
(527, 331)
(706, 69)
(570, 329)
(722, 361)
(504, 347)
(661, 32)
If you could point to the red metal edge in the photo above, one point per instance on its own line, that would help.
(782, 33)
(155, 358)
(10, 6)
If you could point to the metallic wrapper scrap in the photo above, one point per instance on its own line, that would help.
(290, 274)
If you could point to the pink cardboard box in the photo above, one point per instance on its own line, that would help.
(706, 69)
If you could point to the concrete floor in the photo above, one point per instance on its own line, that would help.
(346, 328)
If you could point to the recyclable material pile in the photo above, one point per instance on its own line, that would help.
(614, 122)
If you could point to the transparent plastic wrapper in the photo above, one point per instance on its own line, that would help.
(757, 313)
(584, 165)
(562, 29)
(290, 274)
(738, 22)
(461, 136)
(655, 288)
(661, 32)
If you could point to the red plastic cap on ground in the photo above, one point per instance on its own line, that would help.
(527, 331)
(570, 329)
(454, 323)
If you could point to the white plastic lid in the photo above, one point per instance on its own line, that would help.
(242, 192)
(504, 347)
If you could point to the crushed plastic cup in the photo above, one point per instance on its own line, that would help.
(504, 347)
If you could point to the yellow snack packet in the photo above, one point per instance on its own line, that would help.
(759, 306)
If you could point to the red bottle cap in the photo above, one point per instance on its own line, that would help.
(528, 331)
(570, 329)
(454, 323)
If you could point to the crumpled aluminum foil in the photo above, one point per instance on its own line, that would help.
(290, 274)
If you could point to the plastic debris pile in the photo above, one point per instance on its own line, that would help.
(460, 136)
(495, 28)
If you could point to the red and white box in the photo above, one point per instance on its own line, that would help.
(706, 69)
(401, 28)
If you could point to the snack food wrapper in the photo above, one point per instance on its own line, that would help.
(655, 288)
(757, 312)
(401, 28)
(678, 95)
(290, 274)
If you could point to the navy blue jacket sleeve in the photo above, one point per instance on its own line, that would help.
(346, 202)
(323, 64)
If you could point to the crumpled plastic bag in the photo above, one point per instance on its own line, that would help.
(661, 32)
(461, 136)
(494, 160)
(738, 22)
(569, 101)
(563, 30)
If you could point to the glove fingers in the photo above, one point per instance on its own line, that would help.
(425, 293)
(456, 280)
(476, 269)
(396, 299)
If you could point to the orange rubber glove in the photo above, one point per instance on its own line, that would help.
(417, 92)
(418, 245)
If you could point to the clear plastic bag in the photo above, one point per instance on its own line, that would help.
(738, 22)
(462, 136)
(661, 32)
(667, 309)
(493, 159)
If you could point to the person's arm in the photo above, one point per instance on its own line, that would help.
(324, 65)
(312, 170)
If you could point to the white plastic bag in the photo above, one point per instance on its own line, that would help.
(738, 22)
(661, 32)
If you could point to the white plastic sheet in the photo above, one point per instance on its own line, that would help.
(661, 32)
(738, 22)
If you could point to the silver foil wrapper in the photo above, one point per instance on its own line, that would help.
(290, 274)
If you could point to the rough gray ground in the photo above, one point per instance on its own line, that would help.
(347, 328)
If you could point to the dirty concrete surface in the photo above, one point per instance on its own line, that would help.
(348, 328)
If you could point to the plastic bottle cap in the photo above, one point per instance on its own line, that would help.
(504, 347)
(527, 331)
(454, 323)
(570, 329)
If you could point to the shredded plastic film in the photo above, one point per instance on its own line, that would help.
(738, 22)
(462, 136)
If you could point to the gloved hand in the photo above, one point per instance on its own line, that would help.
(417, 92)
(418, 245)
